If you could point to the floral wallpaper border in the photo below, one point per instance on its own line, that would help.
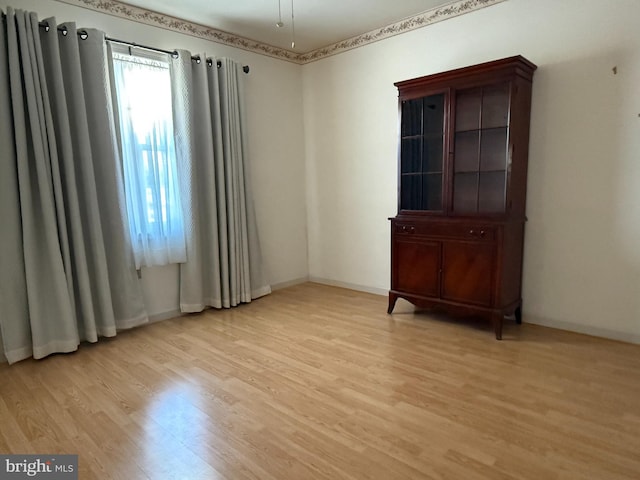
(429, 17)
(149, 17)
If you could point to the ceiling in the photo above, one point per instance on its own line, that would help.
(318, 23)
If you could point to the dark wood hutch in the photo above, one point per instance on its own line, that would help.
(457, 240)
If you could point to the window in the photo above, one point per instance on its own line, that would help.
(152, 191)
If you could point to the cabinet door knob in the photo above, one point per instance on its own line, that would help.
(472, 232)
(482, 233)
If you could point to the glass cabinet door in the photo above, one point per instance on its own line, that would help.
(481, 141)
(421, 153)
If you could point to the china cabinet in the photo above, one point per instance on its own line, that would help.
(457, 240)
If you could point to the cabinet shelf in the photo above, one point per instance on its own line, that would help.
(426, 136)
(483, 129)
(501, 170)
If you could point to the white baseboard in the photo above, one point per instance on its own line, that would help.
(535, 320)
(557, 324)
(350, 286)
(289, 283)
(584, 329)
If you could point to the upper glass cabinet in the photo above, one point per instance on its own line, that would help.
(479, 160)
(421, 153)
(463, 141)
(481, 143)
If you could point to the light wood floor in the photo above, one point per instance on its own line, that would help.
(316, 382)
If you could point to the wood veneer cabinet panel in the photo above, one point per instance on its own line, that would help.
(419, 261)
(457, 240)
(467, 272)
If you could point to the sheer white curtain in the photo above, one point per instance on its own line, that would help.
(67, 272)
(143, 87)
(224, 266)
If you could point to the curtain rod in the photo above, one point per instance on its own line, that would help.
(83, 35)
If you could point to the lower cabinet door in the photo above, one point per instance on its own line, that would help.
(416, 267)
(467, 272)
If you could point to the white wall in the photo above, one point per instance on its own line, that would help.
(276, 148)
(582, 253)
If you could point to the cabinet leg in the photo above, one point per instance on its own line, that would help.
(497, 319)
(518, 314)
(392, 302)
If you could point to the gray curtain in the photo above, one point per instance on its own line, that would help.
(224, 265)
(67, 270)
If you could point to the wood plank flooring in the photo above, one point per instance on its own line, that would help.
(317, 382)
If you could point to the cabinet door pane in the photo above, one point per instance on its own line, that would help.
(493, 150)
(411, 192)
(465, 192)
(468, 103)
(433, 107)
(432, 191)
(411, 117)
(467, 151)
(491, 197)
(481, 149)
(495, 106)
(411, 155)
(421, 153)
(421, 191)
(432, 155)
